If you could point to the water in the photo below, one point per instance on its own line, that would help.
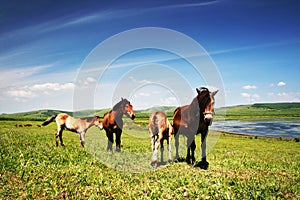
(270, 128)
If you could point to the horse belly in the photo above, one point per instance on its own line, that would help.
(71, 125)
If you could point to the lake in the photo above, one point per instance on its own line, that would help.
(269, 128)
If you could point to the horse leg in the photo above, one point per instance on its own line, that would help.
(118, 140)
(193, 147)
(189, 145)
(203, 164)
(110, 140)
(82, 139)
(61, 140)
(188, 155)
(162, 150)
(153, 150)
(176, 136)
(169, 148)
(58, 134)
(56, 138)
(203, 148)
(156, 145)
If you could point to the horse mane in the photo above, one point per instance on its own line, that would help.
(117, 106)
(200, 102)
(203, 98)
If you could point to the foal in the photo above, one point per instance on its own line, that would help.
(79, 126)
(160, 130)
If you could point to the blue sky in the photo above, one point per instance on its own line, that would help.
(255, 46)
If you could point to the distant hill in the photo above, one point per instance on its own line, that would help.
(40, 115)
(262, 110)
(258, 110)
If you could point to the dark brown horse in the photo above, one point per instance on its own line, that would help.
(79, 126)
(113, 122)
(193, 119)
(160, 129)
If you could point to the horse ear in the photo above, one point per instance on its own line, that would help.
(198, 91)
(122, 99)
(214, 93)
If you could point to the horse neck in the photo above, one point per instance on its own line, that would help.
(90, 123)
(118, 114)
(194, 106)
(195, 110)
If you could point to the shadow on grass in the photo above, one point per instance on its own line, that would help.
(202, 164)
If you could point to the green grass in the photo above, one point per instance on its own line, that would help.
(241, 167)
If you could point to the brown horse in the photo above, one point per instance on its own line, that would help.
(193, 119)
(160, 130)
(113, 122)
(79, 126)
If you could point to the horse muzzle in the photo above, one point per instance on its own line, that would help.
(208, 118)
(132, 116)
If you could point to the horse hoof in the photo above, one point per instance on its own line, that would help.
(202, 165)
(154, 164)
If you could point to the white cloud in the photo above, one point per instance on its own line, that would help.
(52, 86)
(20, 93)
(33, 91)
(90, 79)
(253, 96)
(245, 94)
(247, 87)
(281, 84)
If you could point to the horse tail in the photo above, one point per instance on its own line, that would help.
(49, 120)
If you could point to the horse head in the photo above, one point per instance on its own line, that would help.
(96, 121)
(206, 102)
(127, 109)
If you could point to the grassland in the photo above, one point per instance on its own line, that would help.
(241, 167)
(258, 111)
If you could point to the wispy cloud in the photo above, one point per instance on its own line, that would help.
(188, 5)
(247, 87)
(9, 77)
(252, 47)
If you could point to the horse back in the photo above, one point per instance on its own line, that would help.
(158, 122)
(66, 120)
(180, 116)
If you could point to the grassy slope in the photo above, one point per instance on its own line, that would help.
(240, 168)
(268, 110)
(255, 111)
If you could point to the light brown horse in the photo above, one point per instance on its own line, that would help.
(79, 126)
(193, 119)
(160, 130)
(113, 123)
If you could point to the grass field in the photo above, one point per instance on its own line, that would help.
(241, 167)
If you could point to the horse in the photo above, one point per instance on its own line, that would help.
(160, 129)
(113, 123)
(193, 119)
(79, 126)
